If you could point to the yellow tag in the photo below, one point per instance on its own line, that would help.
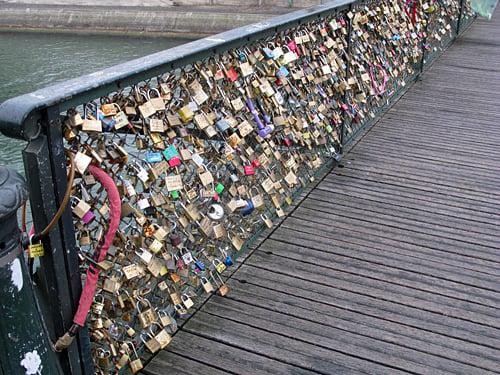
(36, 250)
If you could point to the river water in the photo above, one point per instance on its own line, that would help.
(32, 60)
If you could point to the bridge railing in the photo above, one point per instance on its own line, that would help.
(207, 143)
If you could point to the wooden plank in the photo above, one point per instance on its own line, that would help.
(292, 350)
(413, 278)
(397, 259)
(384, 241)
(215, 356)
(391, 290)
(415, 237)
(400, 197)
(415, 160)
(410, 223)
(334, 295)
(347, 182)
(337, 336)
(262, 293)
(390, 252)
(372, 175)
(167, 362)
(442, 182)
(399, 209)
(485, 183)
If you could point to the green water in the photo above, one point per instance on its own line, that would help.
(32, 60)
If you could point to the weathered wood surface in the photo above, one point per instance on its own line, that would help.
(389, 265)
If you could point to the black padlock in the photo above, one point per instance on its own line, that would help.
(175, 239)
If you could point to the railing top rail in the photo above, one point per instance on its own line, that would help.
(19, 115)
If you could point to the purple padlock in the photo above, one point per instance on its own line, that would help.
(88, 217)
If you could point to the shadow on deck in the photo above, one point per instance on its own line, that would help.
(388, 265)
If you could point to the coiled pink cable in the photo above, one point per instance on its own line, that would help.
(379, 90)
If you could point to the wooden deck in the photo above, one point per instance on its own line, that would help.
(391, 264)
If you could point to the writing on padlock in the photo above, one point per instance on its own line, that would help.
(249, 170)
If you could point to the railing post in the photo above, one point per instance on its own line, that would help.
(347, 74)
(460, 14)
(424, 42)
(25, 347)
(45, 166)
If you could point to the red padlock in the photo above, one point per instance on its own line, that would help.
(174, 162)
(287, 141)
(231, 74)
(256, 163)
(249, 170)
(179, 262)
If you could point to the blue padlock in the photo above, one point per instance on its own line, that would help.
(228, 261)
(200, 265)
(248, 209)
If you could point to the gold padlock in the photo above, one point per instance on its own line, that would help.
(162, 336)
(150, 342)
(148, 316)
(135, 364)
(186, 113)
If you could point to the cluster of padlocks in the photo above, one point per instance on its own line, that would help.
(206, 156)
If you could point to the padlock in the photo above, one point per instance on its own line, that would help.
(97, 323)
(215, 212)
(97, 304)
(236, 240)
(267, 221)
(112, 283)
(222, 125)
(179, 262)
(221, 286)
(228, 261)
(122, 361)
(249, 170)
(130, 331)
(187, 257)
(257, 199)
(199, 265)
(103, 358)
(174, 296)
(175, 239)
(165, 318)
(186, 113)
(144, 255)
(82, 209)
(187, 301)
(180, 310)
(161, 335)
(248, 208)
(84, 238)
(150, 342)
(207, 285)
(147, 316)
(135, 364)
(219, 266)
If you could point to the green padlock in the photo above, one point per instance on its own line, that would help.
(174, 194)
(219, 188)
